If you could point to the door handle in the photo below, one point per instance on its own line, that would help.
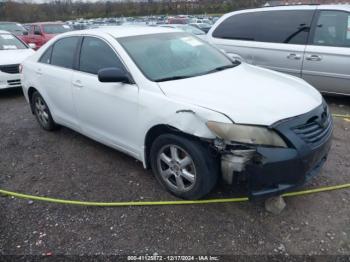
(314, 58)
(294, 56)
(78, 84)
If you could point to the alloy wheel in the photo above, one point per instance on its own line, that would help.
(41, 111)
(176, 168)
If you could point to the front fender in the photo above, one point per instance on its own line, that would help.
(160, 110)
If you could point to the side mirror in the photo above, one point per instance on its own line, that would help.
(113, 75)
(32, 45)
(25, 32)
(37, 33)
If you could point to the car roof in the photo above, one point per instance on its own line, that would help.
(298, 7)
(125, 31)
(344, 7)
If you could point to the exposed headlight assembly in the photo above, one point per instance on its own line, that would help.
(246, 134)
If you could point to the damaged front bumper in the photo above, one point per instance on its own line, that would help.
(271, 171)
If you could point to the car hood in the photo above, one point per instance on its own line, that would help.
(10, 57)
(203, 37)
(247, 94)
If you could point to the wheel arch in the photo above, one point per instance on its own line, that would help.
(159, 130)
(31, 91)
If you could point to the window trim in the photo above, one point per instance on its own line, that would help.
(314, 25)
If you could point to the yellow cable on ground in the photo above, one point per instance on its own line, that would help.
(163, 203)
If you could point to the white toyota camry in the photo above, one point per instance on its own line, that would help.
(182, 107)
(12, 52)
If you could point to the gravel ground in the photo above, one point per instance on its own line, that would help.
(67, 165)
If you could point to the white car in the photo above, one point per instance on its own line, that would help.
(12, 53)
(182, 107)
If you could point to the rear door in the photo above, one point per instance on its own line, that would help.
(274, 39)
(55, 72)
(327, 56)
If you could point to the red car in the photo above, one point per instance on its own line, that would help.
(40, 33)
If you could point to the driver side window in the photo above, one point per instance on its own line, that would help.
(95, 54)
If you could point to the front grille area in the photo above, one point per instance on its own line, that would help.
(316, 129)
(10, 69)
(16, 82)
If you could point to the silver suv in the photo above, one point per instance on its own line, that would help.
(308, 41)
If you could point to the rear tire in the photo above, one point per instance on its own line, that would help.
(42, 112)
(183, 166)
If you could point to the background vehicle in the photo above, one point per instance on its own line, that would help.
(178, 20)
(14, 28)
(182, 107)
(189, 29)
(312, 42)
(202, 26)
(12, 53)
(40, 33)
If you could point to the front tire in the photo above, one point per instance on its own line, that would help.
(42, 112)
(183, 166)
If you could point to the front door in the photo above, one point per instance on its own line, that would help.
(107, 111)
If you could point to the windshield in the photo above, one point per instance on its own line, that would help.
(170, 56)
(56, 29)
(13, 28)
(10, 42)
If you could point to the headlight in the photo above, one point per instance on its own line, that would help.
(246, 134)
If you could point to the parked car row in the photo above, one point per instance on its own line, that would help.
(36, 33)
(40, 33)
(82, 23)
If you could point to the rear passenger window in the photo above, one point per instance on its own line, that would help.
(63, 52)
(46, 57)
(290, 27)
(332, 29)
(96, 54)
